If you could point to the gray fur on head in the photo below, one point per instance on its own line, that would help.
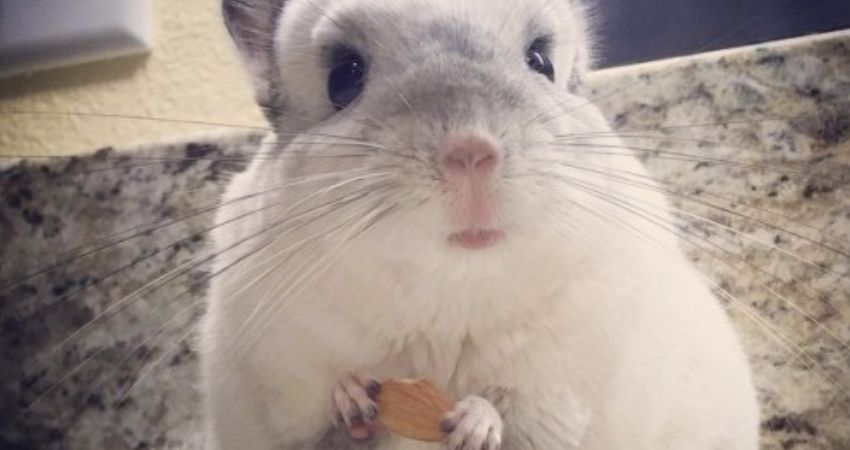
(253, 25)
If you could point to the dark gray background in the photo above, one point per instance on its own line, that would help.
(641, 30)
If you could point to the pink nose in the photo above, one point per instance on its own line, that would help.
(468, 155)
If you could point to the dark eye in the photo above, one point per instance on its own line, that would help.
(537, 58)
(347, 77)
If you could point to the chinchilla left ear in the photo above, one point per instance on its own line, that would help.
(252, 25)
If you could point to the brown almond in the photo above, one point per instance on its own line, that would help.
(413, 409)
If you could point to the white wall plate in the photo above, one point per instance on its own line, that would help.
(42, 34)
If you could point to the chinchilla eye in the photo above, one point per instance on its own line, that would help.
(538, 60)
(347, 77)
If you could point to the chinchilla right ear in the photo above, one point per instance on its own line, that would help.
(252, 25)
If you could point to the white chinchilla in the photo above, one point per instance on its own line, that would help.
(419, 212)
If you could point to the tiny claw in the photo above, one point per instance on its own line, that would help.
(372, 413)
(373, 389)
(354, 408)
(447, 425)
(356, 417)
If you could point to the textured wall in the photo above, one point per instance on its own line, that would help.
(192, 74)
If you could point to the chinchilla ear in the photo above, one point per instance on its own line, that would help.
(252, 25)
(582, 34)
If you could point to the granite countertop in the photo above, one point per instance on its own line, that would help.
(756, 140)
(772, 128)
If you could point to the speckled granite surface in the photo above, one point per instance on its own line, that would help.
(781, 115)
(758, 142)
(157, 206)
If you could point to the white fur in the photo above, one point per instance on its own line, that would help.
(586, 327)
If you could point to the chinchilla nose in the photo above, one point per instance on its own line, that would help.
(465, 156)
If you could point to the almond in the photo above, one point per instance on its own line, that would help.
(413, 409)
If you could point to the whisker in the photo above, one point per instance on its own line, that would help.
(144, 229)
(92, 357)
(815, 266)
(323, 263)
(68, 375)
(648, 185)
(141, 292)
(147, 370)
(129, 117)
(276, 257)
(244, 157)
(330, 206)
(166, 278)
(173, 120)
(713, 206)
(670, 156)
(270, 156)
(229, 266)
(671, 188)
(627, 199)
(685, 126)
(619, 136)
(784, 341)
(654, 219)
(335, 205)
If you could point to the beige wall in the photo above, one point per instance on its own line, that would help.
(192, 73)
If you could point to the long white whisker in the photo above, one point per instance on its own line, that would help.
(631, 200)
(728, 211)
(322, 264)
(141, 230)
(659, 222)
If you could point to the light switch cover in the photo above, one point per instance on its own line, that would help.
(43, 34)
